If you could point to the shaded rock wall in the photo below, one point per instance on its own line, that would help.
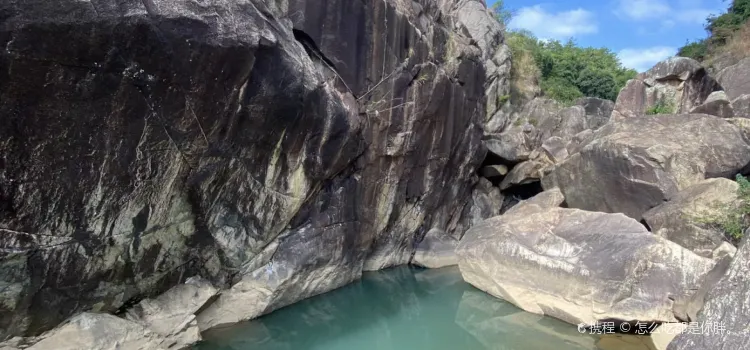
(294, 143)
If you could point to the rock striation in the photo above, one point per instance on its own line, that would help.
(240, 140)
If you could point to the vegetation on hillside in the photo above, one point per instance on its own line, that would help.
(564, 71)
(727, 33)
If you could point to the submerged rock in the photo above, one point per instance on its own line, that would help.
(499, 325)
(685, 218)
(632, 165)
(578, 266)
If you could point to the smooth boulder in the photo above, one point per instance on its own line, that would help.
(632, 165)
(683, 219)
(579, 266)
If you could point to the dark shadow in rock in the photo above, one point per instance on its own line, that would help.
(494, 168)
(518, 193)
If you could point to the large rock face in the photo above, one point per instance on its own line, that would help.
(578, 266)
(278, 146)
(632, 165)
(724, 312)
(735, 79)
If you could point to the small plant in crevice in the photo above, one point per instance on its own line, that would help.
(731, 219)
(502, 100)
(661, 107)
(533, 121)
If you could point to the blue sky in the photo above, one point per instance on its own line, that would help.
(641, 32)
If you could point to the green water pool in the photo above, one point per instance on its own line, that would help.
(403, 308)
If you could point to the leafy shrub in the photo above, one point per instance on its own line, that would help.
(697, 50)
(560, 89)
(661, 107)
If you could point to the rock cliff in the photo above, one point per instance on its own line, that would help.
(277, 148)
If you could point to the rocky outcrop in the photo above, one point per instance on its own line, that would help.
(578, 266)
(542, 119)
(243, 140)
(516, 142)
(632, 165)
(166, 322)
(683, 219)
(735, 79)
(723, 311)
(678, 84)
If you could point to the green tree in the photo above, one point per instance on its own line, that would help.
(721, 28)
(565, 71)
(598, 83)
(502, 14)
(697, 50)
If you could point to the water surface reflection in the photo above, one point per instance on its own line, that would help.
(402, 308)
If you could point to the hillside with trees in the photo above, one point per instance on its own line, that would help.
(728, 38)
(563, 70)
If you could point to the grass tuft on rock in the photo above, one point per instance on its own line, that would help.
(732, 219)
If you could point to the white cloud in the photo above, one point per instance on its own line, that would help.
(643, 9)
(682, 11)
(560, 25)
(697, 16)
(643, 59)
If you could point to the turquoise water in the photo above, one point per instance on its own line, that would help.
(402, 309)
